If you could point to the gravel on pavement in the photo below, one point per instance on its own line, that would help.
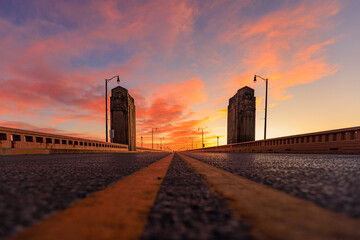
(331, 181)
(33, 187)
(186, 209)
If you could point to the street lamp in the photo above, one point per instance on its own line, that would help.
(106, 104)
(192, 142)
(202, 136)
(161, 143)
(266, 95)
(152, 137)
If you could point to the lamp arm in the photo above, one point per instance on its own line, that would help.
(261, 77)
(111, 78)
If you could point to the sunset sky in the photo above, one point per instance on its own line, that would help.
(181, 61)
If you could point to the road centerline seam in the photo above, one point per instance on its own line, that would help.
(185, 208)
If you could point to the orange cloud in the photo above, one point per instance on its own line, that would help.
(38, 68)
(285, 46)
(170, 55)
(27, 126)
(169, 110)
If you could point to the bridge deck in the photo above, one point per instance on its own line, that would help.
(175, 197)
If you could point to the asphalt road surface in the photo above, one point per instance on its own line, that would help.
(331, 181)
(33, 187)
(186, 209)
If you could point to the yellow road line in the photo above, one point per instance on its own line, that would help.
(274, 214)
(118, 212)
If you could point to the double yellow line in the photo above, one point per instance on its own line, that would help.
(272, 213)
(121, 210)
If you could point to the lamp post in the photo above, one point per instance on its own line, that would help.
(202, 136)
(266, 96)
(106, 104)
(217, 140)
(236, 125)
(152, 137)
(161, 143)
(192, 143)
(141, 141)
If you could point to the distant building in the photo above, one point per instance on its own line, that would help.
(122, 117)
(241, 116)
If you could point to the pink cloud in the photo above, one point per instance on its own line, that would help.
(285, 46)
(30, 127)
(170, 103)
(169, 110)
(38, 71)
(40, 80)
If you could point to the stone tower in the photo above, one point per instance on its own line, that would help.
(122, 116)
(241, 116)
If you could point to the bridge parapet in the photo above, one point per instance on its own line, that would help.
(11, 138)
(339, 141)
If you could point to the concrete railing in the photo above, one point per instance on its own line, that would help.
(143, 149)
(342, 141)
(11, 138)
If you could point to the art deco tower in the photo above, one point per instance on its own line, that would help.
(241, 116)
(122, 116)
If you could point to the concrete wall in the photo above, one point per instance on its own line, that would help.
(142, 149)
(340, 141)
(132, 124)
(12, 140)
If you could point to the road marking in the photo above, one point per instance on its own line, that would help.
(119, 211)
(272, 213)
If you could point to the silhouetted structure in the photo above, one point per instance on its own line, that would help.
(122, 116)
(241, 116)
